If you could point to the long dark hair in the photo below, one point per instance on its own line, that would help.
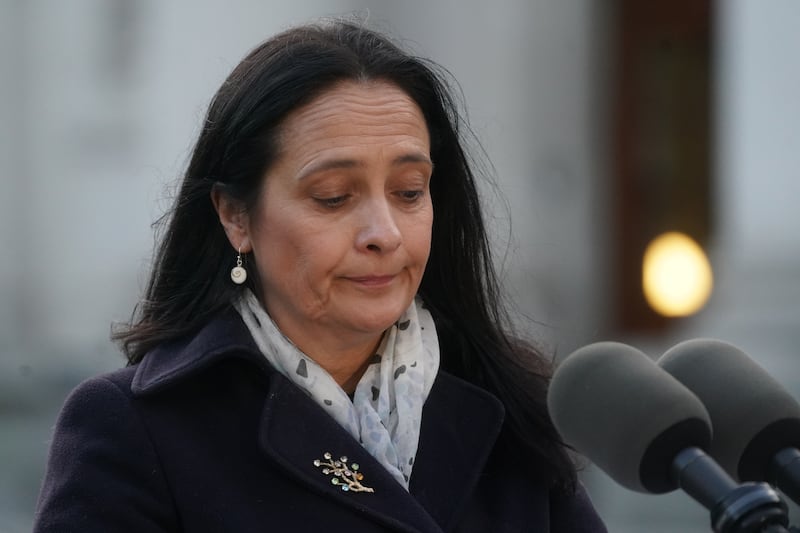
(190, 281)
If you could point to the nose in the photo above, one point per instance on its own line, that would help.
(378, 231)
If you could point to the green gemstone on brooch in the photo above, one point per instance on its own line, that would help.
(335, 481)
(354, 466)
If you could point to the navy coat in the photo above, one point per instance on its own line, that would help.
(204, 436)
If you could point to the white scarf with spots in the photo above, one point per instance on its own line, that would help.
(386, 411)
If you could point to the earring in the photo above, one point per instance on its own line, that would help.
(238, 273)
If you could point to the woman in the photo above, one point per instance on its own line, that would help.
(321, 345)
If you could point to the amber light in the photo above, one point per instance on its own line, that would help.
(676, 275)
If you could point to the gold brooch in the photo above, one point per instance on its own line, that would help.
(345, 476)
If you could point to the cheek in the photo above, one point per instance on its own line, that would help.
(418, 238)
(297, 256)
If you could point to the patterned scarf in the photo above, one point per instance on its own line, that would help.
(386, 411)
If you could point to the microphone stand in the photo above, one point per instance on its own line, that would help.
(784, 472)
(745, 508)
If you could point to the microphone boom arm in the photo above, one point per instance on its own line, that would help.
(785, 472)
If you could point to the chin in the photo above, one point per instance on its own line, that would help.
(377, 324)
(379, 318)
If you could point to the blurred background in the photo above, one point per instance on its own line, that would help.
(608, 124)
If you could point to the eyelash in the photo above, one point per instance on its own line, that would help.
(411, 196)
(334, 202)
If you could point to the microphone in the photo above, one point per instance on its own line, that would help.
(647, 432)
(756, 421)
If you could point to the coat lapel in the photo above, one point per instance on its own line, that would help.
(295, 431)
(460, 424)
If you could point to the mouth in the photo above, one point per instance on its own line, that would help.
(376, 281)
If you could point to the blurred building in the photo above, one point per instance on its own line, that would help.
(100, 101)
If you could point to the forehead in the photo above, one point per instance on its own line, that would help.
(365, 112)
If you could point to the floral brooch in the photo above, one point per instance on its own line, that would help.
(344, 475)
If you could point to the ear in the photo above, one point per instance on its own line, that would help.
(234, 219)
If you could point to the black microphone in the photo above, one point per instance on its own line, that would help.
(648, 432)
(756, 421)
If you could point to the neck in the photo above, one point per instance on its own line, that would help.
(345, 362)
(348, 380)
(344, 355)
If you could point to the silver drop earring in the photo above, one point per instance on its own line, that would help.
(238, 273)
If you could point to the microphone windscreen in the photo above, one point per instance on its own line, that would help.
(753, 416)
(613, 404)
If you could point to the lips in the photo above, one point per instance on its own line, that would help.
(373, 280)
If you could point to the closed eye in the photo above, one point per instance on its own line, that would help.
(410, 196)
(333, 202)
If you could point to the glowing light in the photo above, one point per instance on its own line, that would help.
(676, 275)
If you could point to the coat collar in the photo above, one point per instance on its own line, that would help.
(224, 337)
(460, 424)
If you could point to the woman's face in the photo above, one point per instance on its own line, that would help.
(342, 230)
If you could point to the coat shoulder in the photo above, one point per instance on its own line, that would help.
(116, 383)
(101, 441)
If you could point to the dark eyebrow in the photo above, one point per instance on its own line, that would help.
(333, 164)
